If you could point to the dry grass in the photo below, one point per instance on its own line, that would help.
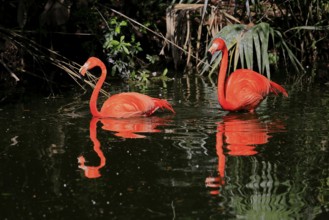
(40, 55)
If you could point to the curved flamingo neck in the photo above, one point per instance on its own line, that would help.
(221, 80)
(219, 151)
(94, 96)
(97, 145)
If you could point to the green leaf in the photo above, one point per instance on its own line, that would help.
(243, 41)
(125, 49)
(115, 42)
(240, 46)
(113, 21)
(263, 29)
(237, 54)
(117, 29)
(248, 48)
(230, 33)
(257, 49)
(123, 23)
(106, 45)
(165, 71)
(126, 44)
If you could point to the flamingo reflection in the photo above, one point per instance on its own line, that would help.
(125, 128)
(93, 171)
(238, 135)
(132, 127)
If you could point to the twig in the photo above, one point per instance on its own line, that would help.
(155, 33)
(39, 52)
(108, 27)
(12, 74)
(173, 210)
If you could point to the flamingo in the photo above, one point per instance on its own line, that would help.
(244, 89)
(123, 105)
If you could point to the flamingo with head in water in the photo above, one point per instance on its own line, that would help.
(244, 89)
(123, 105)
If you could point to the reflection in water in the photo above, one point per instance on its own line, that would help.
(238, 134)
(126, 128)
(160, 179)
(129, 128)
(93, 171)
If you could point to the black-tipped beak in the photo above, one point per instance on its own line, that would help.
(82, 78)
(209, 56)
(82, 73)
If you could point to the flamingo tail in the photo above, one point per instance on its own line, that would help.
(163, 104)
(276, 88)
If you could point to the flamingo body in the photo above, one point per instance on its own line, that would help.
(123, 105)
(244, 89)
(132, 104)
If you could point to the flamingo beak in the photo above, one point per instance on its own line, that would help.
(209, 56)
(211, 51)
(83, 70)
(213, 48)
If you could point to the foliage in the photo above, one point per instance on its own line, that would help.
(303, 23)
(120, 51)
(123, 54)
(143, 78)
(244, 41)
(78, 29)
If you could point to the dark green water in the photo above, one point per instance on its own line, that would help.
(201, 163)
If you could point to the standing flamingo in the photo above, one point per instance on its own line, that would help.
(123, 105)
(244, 89)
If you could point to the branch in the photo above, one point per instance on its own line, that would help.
(12, 74)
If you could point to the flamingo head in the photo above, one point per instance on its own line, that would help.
(89, 64)
(218, 44)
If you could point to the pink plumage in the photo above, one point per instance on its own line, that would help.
(123, 105)
(244, 89)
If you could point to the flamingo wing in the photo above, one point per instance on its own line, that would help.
(131, 104)
(245, 89)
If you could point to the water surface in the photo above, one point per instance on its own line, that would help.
(56, 162)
